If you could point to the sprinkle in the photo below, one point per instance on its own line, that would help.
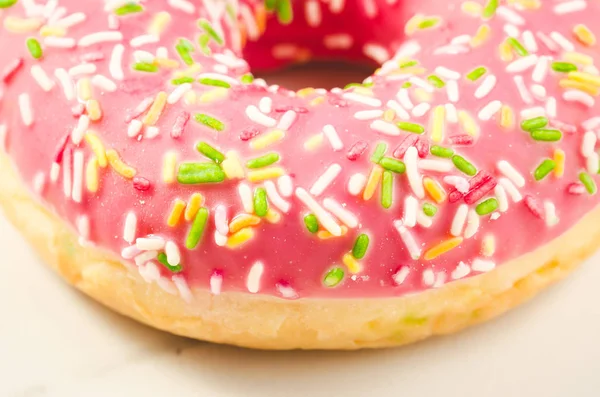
(579, 96)
(550, 214)
(490, 9)
(522, 64)
(178, 93)
(387, 189)
(197, 228)
(502, 198)
(472, 224)
(93, 110)
(546, 167)
(486, 87)
(26, 109)
(570, 6)
(442, 248)
(333, 277)
(177, 209)
(209, 122)
(476, 73)
(141, 184)
(129, 229)
(562, 41)
(385, 127)
(489, 110)
(365, 100)
(517, 46)
(434, 189)
(486, 207)
(372, 182)
(563, 67)
(266, 140)
(351, 263)
(263, 161)
(34, 47)
(464, 165)
(246, 196)
(311, 223)
(261, 206)
(265, 173)
(356, 183)
(275, 198)
(584, 35)
(333, 137)
(7, 3)
(239, 238)
(458, 222)
(393, 165)
(512, 191)
(507, 119)
(412, 172)
(408, 239)
(511, 173)
(258, 117)
(91, 174)
(588, 182)
(149, 243)
(285, 185)
(482, 35)
(194, 173)
(77, 176)
(324, 217)
(84, 89)
(265, 104)
(243, 221)
(210, 152)
(546, 135)
(480, 265)
(100, 37)
(287, 120)
(42, 78)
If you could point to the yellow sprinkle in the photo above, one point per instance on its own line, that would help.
(488, 245)
(506, 52)
(351, 263)
(242, 221)
(156, 109)
(468, 124)
(578, 85)
(313, 142)
(413, 70)
(91, 174)
(305, 92)
(93, 110)
(421, 95)
(559, 159)
(507, 118)
(20, 25)
(527, 4)
(176, 210)
(442, 248)
(434, 189)
(190, 97)
(57, 31)
(273, 216)
(372, 182)
(438, 124)
(364, 91)
(232, 166)
(317, 101)
(159, 23)
(483, 33)
(194, 203)
(169, 167)
(389, 115)
(166, 63)
(192, 71)
(585, 78)
(266, 140)
(84, 89)
(118, 165)
(265, 173)
(413, 24)
(584, 35)
(325, 235)
(214, 95)
(472, 8)
(578, 57)
(97, 147)
(239, 238)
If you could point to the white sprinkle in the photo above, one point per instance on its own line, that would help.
(368, 114)
(322, 215)
(129, 230)
(216, 282)
(525, 95)
(54, 172)
(447, 73)
(220, 239)
(510, 172)
(490, 110)
(182, 5)
(551, 107)
(404, 99)
(592, 163)
(260, 118)
(143, 40)
(149, 272)
(481, 265)
(550, 214)
(510, 15)
(59, 42)
(461, 184)
(529, 41)
(356, 184)
(265, 104)
(408, 239)
(541, 70)
(421, 109)
(588, 143)
(436, 165)
(458, 222)
(562, 41)
(570, 6)
(143, 56)
(401, 275)
(285, 185)
(579, 96)
(511, 30)
(385, 127)
(71, 20)
(26, 109)
(80, 129)
(411, 208)
(221, 221)
(77, 176)
(534, 112)
(486, 86)
(182, 287)
(333, 137)
(275, 198)
(428, 277)
(365, 100)
(472, 224)
(512, 191)
(461, 271)
(39, 182)
(408, 50)
(419, 82)
(400, 112)
(424, 220)
(100, 37)
(339, 41)
(591, 124)
(134, 128)
(451, 113)
(287, 120)
(82, 69)
(340, 212)
(150, 243)
(104, 83)
(173, 254)
(245, 193)
(40, 76)
(538, 91)
(412, 172)
(452, 91)
(67, 177)
(312, 12)
(83, 228)
(66, 82)
(325, 179)
(178, 93)
(254, 276)
(376, 52)
(286, 291)
(451, 50)
(116, 62)
(522, 64)
(167, 285)
(501, 197)
(230, 61)
(551, 45)
(3, 136)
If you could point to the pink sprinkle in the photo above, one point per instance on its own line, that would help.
(297, 109)
(454, 196)
(60, 149)
(409, 140)
(534, 206)
(576, 189)
(357, 150)
(422, 146)
(141, 108)
(179, 125)
(464, 140)
(479, 185)
(78, 110)
(9, 71)
(141, 184)
(92, 57)
(249, 133)
(476, 194)
(564, 127)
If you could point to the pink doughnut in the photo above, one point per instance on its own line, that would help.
(152, 171)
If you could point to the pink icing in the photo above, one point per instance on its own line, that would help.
(293, 259)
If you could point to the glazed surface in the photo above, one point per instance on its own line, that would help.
(292, 261)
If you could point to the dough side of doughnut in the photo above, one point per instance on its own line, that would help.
(270, 323)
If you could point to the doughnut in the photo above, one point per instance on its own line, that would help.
(151, 169)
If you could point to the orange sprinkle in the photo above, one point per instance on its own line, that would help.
(442, 248)
(118, 165)
(156, 109)
(372, 182)
(91, 174)
(239, 238)
(325, 235)
(194, 203)
(176, 211)
(482, 35)
(351, 263)
(434, 189)
(260, 15)
(241, 221)
(584, 35)
(559, 159)
(578, 85)
(93, 110)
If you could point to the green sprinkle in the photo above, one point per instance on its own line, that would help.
(130, 8)
(270, 5)
(352, 85)
(441, 151)
(518, 47)
(486, 207)
(203, 40)
(429, 209)
(360, 246)
(463, 165)
(411, 127)
(429, 23)
(261, 206)
(194, 173)
(210, 152)
(546, 135)
(534, 124)
(490, 9)
(145, 67)
(215, 83)
(408, 64)
(182, 80)
(204, 24)
(387, 187)
(407, 85)
(436, 81)
(285, 13)
(197, 229)
(7, 3)
(393, 165)
(333, 277)
(542, 170)
(210, 122)
(368, 85)
(379, 152)
(263, 161)
(564, 67)
(588, 182)
(476, 73)
(34, 47)
(184, 48)
(162, 258)
(311, 222)
(247, 78)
